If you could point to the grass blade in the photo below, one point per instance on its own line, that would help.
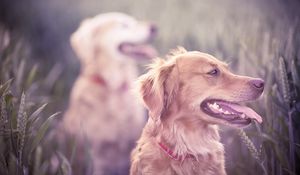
(31, 75)
(37, 160)
(5, 87)
(65, 166)
(36, 113)
(42, 131)
(20, 73)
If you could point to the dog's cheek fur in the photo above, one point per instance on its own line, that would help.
(80, 42)
(84, 40)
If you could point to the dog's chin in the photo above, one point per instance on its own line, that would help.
(229, 113)
(137, 50)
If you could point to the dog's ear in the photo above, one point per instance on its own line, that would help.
(157, 88)
(177, 51)
(82, 42)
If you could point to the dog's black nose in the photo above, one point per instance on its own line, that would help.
(153, 29)
(257, 83)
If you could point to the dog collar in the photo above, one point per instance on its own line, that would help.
(171, 153)
(101, 81)
(98, 80)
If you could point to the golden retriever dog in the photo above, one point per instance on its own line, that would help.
(187, 96)
(102, 111)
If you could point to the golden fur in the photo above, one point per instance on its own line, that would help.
(172, 91)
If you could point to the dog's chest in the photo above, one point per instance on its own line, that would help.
(211, 164)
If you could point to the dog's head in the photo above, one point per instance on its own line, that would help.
(198, 87)
(114, 36)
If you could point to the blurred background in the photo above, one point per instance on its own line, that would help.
(259, 38)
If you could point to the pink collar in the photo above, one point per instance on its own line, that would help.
(98, 80)
(101, 81)
(172, 155)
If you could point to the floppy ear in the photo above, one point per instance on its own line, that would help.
(156, 89)
(82, 42)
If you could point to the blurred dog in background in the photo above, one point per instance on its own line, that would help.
(102, 111)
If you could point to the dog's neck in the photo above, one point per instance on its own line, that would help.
(189, 137)
(117, 76)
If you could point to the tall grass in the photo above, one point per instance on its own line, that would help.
(278, 136)
(23, 123)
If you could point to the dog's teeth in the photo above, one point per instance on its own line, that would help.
(243, 116)
(226, 112)
(215, 106)
(220, 109)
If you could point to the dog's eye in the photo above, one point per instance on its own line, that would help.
(214, 72)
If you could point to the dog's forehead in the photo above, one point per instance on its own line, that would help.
(195, 57)
(103, 22)
(114, 17)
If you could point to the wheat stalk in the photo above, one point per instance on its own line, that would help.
(246, 140)
(3, 118)
(283, 81)
(21, 127)
(254, 152)
(285, 87)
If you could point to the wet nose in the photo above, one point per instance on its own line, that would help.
(153, 29)
(257, 84)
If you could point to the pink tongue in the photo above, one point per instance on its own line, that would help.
(247, 111)
(143, 49)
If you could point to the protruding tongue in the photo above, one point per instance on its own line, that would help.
(247, 111)
(144, 50)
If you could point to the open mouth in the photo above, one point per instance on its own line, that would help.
(140, 50)
(231, 112)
